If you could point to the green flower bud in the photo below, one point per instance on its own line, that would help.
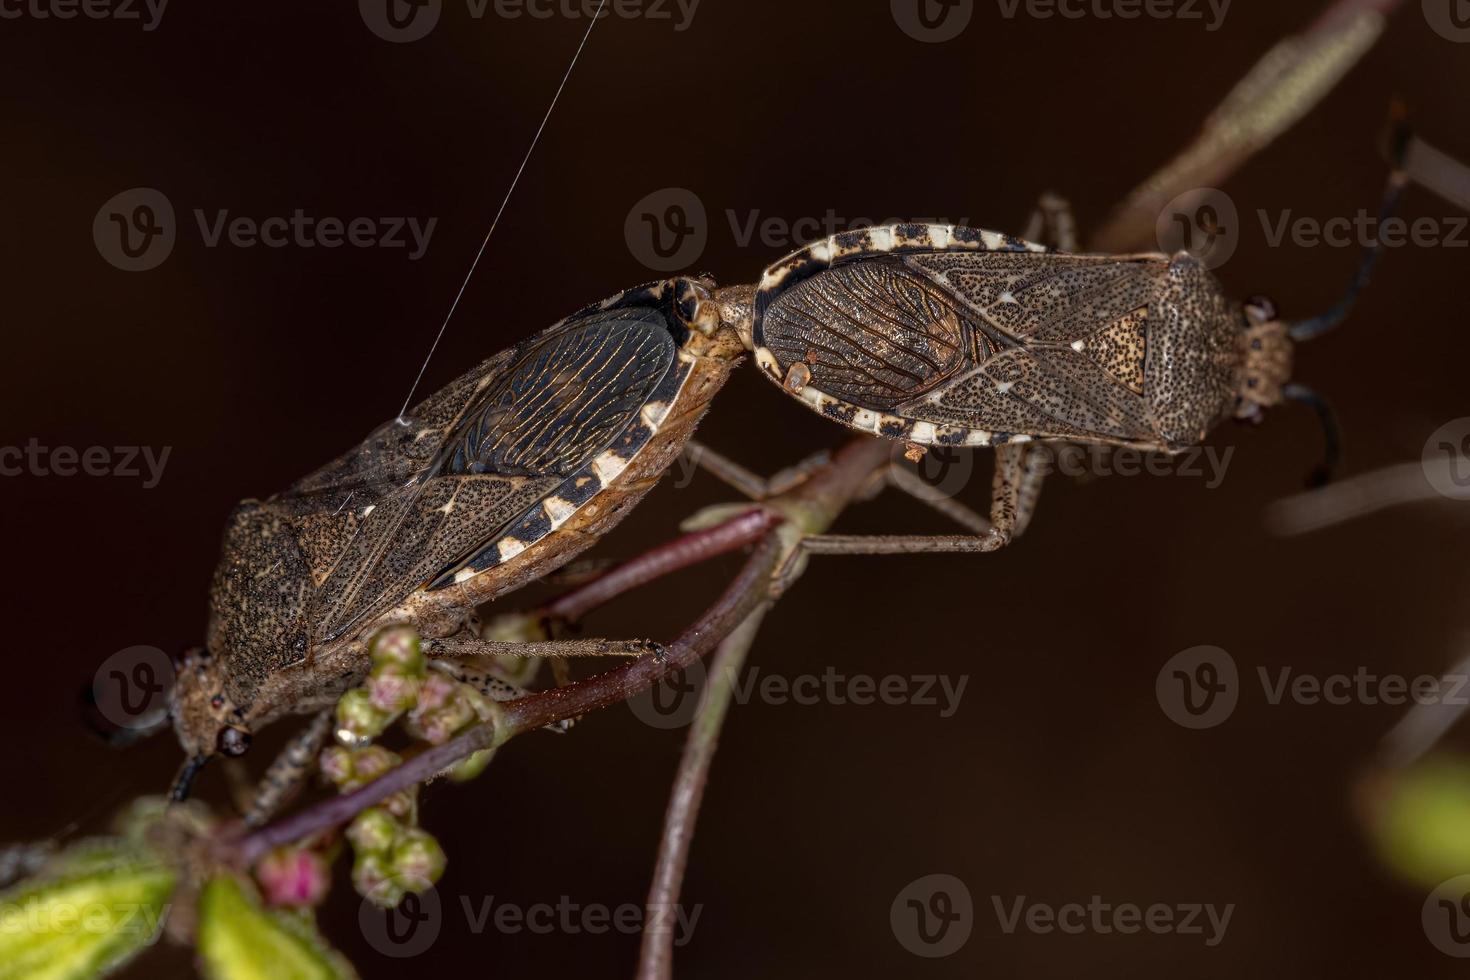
(468, 769)
(373, 831)
(373, 878)
(370, 763)
(440, 725)
(392, 691)
(418, 860)
(403, 804)
(398, 645)
(357, 719)
(336, 764)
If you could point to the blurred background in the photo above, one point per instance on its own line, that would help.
(1058, 776)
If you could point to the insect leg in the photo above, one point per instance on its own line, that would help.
(1019, 469)
(1052, 224)
(456, 647)
(751, 484)
(491, 685)
(901, 478)
(288, 771)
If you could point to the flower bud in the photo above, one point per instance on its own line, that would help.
(294, 876)
(391, 691)
(373, 831)
(468, 769)
(357, 719)
(373, 878)
(336, 764)
(418, 860)
(398, 645)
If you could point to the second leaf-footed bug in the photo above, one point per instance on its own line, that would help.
(945, 336)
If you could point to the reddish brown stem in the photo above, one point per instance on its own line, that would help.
(745, 593)
(690, 549)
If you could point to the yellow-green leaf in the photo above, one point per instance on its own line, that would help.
(241, 940)
(95, 914)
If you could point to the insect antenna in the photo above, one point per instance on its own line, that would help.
(1331, 433)
(184, 781)
(1399, 138)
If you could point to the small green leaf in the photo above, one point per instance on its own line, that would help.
(240, 940)
(101, 908)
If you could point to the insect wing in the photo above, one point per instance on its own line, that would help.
(418, 497)
(969, 346)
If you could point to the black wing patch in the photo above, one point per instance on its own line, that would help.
(566, 399)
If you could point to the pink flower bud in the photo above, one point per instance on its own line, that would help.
(294, 877)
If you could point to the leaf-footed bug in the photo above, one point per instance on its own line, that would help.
(931, 335)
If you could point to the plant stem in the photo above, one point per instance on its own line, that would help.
(656, 954)
(690, 549)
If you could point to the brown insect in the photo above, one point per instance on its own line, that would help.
(503, 476)
(932, 335)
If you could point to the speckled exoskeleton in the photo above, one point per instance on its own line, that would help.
(926, 334)
(943, 336)
(496, 480)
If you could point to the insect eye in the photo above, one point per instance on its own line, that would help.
(233, 742)
(1263, 308)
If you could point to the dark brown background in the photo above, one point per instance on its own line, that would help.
(1059, 777)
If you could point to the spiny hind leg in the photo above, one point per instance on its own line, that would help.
(1052, 224)
(289, 771)
(457, 647)
(492, 684)
(1019, 471)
